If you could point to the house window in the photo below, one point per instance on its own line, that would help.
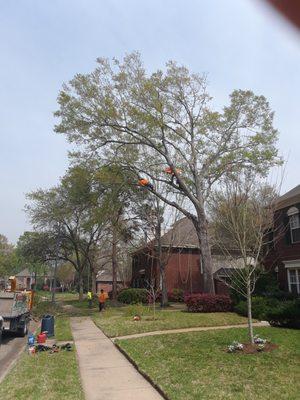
(294, 222)
(294, 280)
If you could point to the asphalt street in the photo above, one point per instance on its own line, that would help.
(10, 350)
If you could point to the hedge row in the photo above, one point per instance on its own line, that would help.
(133, 296)
(284, 313)
(208, 303)
(176, 295)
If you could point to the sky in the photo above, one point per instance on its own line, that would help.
(239, 44)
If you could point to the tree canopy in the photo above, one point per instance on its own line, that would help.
(162, 126)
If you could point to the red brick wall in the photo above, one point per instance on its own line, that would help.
(107, 287)
(183, 271)
(283, 249)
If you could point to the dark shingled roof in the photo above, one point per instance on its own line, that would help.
(106, 276)
(289, 198)
(224, 272)
(182, 234)
(24, 272)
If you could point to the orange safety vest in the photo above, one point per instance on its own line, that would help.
(170, 171)
(102, 297)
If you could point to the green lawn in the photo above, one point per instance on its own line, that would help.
(62, 329)
(59, 296)
(45, 376)
(119, 321)
(194, 366)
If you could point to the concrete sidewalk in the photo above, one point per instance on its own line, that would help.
(186, 330)
(105, 372)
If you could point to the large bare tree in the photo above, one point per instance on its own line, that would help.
(162, 126)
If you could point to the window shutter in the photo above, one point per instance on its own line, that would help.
(287, 232)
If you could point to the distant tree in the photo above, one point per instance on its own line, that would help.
(66, 275)
(162, 127)
(117, 201)
(73, 217)
(9, 262)
(35, 249)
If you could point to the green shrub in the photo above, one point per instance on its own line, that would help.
(235, 296)
(260, 306)
(277, 312)
(176, 295)
(286, 314)
(133, 296)
(266, 286)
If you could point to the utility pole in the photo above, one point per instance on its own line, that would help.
(55, 265)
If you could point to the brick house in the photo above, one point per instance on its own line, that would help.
(283, 257)
(104, 281)
(181, 252)
(25, 279)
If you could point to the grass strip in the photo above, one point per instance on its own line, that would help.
(116, 322)
(45, 376)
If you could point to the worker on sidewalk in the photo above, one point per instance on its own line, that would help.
(102, 299)
(90, 298)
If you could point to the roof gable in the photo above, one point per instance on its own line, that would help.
(24, 272)
(182, 234)
(289, 198)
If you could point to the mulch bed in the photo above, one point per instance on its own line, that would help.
(250, 348)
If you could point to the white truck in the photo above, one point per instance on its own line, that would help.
(15, 312)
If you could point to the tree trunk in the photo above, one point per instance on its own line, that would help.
(164, 292)
(80, 281)
(162, 272)
(114, 264)
(205, 253)
(249, 312)
(94, 288)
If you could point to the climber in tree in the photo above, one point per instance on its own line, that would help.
(145, 183)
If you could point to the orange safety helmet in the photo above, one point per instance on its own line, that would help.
(143, 182)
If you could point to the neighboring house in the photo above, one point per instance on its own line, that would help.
(182, 256)
(284, 253)
(104, 281)
(25, 279)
